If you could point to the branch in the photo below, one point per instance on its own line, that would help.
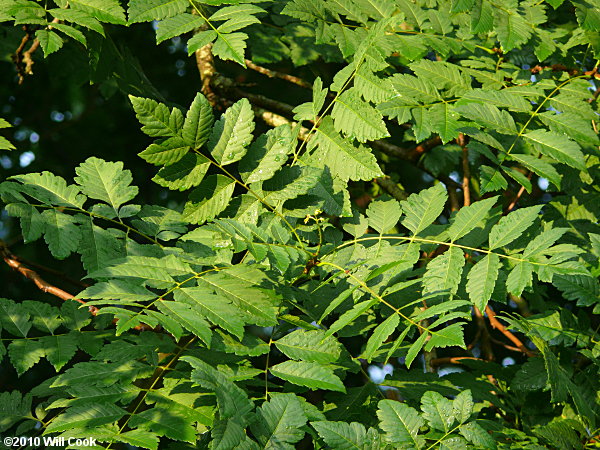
(502, 329)
(389, 186)
(32, 275)
(461, 140)
(274, 74)
(452, 360)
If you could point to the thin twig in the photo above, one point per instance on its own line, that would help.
(389, 186)
(466, 169)
(453, 360)
(502, 329)
(274, 74)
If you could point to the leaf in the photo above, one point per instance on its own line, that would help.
(218, 309)
(444, 272)
(186, 173)
(380, 334)
(267, 154)
(239, 285)
(98, 247)
(347, 436)
(158, 121)
(384, 215)
(198, 122)
(309, 374)
(469, 217)
(25, 353)
(51, 189)
(71, 32)
(401, 423)
(104, 10)
(145, 267)
(231, 47)
(200, 39)
(444, 121)
(149, 10)
(188, 318)
(139, 438)
(512, 226)
(571, 125)
(349, 316)
(279, 421)
(232, 133)
(177, 25)
(60, 233)
(78, 17)
(482, 279)
(50, 42)
(475, 434)
(415, 348)
(491, 180)
(519, 278)
(489, 116)
(32, 224)
(106, 181)
(437, 411)
(423, 208)
(59, 350)
(539, 167)
(15, 407)
(165, 151)
(209, 199)
(356, 118)
(345, 160)
(512, 29)
(557, 146)
(502, 99)
(311, 346)
(462, 406)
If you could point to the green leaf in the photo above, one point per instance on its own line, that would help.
(475, 434)
(231, 47)
(139, 438)
(232, 133)
(106, 181)
(384, 214)
(557, 146)
(50, 189)
(347, 436)
(165, 151)
(423, 208)
(356, 118)
(186, 173)
(149, 10)
(25, 353)
(158, 121)
(444, 121)
(309, 374)
(50, 42)
(311, 346)
(200, 39)
(437, 410)
(144, 267)
(512, 29)
(489, 116)
(502, 99)
(218, 309)
(380, 334)
(177, 25)
(78, 17)
(238, 284)
(444, 272)
(482, 279)
(401, 424)
(209, 199)
(415, 348)
(519, 278)
(72, 32)
(469, 217)
(98, 247)
(349, 316)
(60, 233)
(279, 421)
(491, 180)
(104, 10)
(571, 125)
(15, 407)
(512, 226)
(267, 154)
(32, 224)
(188, 318)
(59, 349)
(462, 406)
(198, 122)
(346, 161)
(539, 167)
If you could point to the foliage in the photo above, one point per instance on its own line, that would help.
(249, 308)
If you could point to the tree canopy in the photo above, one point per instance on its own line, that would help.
(243, 224)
